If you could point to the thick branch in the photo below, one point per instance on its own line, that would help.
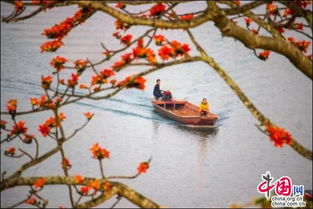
(252, 41)
(126, 18)
(116, 188)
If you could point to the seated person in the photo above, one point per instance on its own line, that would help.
(157, 93)
(204, 107)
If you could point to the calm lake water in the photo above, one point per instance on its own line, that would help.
(189, 168)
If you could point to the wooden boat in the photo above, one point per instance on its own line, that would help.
(184, 112)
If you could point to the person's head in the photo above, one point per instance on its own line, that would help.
(158, 81)
(204, 100)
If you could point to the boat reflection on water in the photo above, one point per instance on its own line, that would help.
(203, 132)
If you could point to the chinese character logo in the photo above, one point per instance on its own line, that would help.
(282, 186)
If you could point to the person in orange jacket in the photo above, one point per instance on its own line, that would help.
(204, 107)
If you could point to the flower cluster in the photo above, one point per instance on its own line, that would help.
(98, 152)
(102, 77)
(131, 82)
(279, 135)
(173, 50)
(51, 122)
(59, 31)
(302, 45)
(51, 46)
(58, 62)
(44, 102)
(146, 53)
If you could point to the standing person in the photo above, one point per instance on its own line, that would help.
(157, 93)
(204, 107)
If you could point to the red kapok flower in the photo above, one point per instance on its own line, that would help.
(73, 81)
(58, 62)
(46, 81)
(19, 127)
(299, 26)
(28, 138)
(84, 190)
(120, 5)
(287, 12)
(2, 124)
(292, 40)
(118, 64)
(39, 183)
(83, 86)
(186, 17)
(18, 5)
(10, 151)
(88, 115)
(98, 152)
(248, 20)
(113, 82)
(121, 25)
(164, 52)
(142, 168)
(157, 9)
(127, 58)
(80, 64)
(95, 184)
(66, 163)
(45, 130)
(303, 45)
(278, 135)
(98, 79)
(271, 8)
(264, 55)
(130, 82)
(11, 105)
(126, 39)
(159, 39)
(78, 179)
(106, 73)
(34, 101)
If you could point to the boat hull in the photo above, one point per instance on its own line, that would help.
(185, 113)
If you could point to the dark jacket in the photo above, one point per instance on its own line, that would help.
(157, 92)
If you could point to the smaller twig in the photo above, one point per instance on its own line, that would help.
(117, 201)
(26, 153)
